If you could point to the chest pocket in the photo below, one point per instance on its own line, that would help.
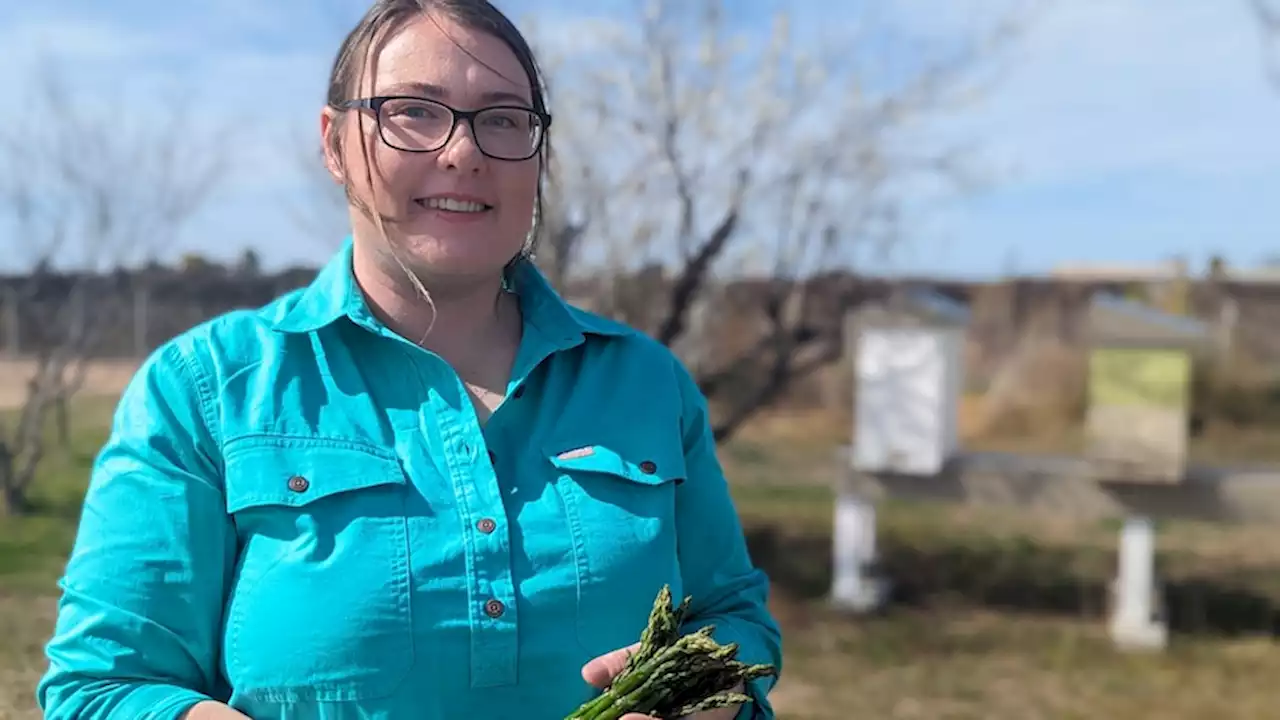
(620, 504)
(320, 606)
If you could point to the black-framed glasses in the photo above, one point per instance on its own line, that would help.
(414, 124)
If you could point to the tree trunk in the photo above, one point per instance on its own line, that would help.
(62, 416)
(13, 502)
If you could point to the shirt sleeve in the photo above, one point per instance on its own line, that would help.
(727, 590)
(139, 616)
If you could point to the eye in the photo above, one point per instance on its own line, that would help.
(507, 119)
(412, 110)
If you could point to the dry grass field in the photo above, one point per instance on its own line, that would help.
(103, 378)
(997, 615)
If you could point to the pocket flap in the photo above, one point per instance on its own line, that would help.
(292, 473)
(647, 469)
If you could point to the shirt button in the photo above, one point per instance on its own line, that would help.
(486, 526)
(648, 467)
(297, 483)
(494, 608)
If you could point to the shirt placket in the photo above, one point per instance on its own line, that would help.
(492, 614)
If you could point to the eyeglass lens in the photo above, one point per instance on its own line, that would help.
(411, 124)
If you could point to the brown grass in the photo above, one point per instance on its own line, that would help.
(950, 653)
(103, 378)
(25, 623)
(986, 666)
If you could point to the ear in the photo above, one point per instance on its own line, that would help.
(329, 128)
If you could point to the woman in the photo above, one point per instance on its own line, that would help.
(422, 487)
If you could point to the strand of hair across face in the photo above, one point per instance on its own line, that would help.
(377, 216)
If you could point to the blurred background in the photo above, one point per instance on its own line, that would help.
(985, 295)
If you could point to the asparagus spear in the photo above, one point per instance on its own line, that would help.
(671, 676)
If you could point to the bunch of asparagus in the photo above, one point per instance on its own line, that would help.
(672, 676)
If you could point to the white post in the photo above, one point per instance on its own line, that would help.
(1137, 622)
(853, 585)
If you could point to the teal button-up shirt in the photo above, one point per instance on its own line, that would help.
(298, 514)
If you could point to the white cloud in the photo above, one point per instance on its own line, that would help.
(1132, 87)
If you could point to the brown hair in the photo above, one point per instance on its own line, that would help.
(386, 16)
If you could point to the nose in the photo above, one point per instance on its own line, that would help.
(462, 152)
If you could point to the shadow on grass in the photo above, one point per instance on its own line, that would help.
(1021, 575)
(65, 508)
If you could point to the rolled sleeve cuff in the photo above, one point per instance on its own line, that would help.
(142, 701)
(166, 702)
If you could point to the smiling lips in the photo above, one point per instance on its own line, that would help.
(454, 204)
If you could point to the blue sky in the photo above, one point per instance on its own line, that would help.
(1123, 131)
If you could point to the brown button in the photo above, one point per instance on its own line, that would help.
(297, 483)
(494, 608)
(648, 467)
(486, 526)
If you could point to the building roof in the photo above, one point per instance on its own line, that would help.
(1115, 321)
(915, 307)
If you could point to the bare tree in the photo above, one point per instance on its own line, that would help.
(84, 188)
(323, 214)
(1268, 14)
(682, 147)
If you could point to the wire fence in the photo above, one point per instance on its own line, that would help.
(127, 315)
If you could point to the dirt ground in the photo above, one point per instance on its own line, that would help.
(105, 377)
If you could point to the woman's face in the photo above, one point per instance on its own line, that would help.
(488, 203)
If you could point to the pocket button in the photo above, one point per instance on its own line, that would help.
(486, 526)
(494, 608)
(299, 484)
(648, 467)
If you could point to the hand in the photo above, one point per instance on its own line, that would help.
(210, 710)
(600, 671)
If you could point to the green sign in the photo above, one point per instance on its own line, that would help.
(1139, 377)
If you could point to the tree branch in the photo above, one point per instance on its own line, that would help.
(1268, 14)
(85, 191)
(786, 158)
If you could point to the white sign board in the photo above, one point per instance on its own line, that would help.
(908, 386)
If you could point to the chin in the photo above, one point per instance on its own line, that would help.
(458, 256)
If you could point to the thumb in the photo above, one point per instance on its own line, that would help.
(601, 670)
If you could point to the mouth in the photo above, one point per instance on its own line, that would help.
(454, 205)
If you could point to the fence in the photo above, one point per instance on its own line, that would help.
(128, 315)
(133, 312)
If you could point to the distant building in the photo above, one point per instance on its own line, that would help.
(1104, 272)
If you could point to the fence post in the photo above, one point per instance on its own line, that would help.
(1137, 621)
(12, 323)
(141, 301)
(856, 584)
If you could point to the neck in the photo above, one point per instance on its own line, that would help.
(468, 316)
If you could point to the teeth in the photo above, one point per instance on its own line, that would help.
(454, 205)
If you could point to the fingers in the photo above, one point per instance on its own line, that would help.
(600, 671)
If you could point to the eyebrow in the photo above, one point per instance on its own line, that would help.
(440, 93)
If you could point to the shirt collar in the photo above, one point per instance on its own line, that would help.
(333, 294)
